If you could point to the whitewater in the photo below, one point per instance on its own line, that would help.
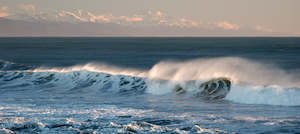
(102, 97)
(253, 83)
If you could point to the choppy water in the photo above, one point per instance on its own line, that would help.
(126, 85)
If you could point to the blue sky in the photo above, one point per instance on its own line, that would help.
(268, 17)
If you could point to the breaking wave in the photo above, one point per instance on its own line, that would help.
(253, 82)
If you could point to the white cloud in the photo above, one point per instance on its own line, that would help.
(28, 7)
(86, 16)
(189, 23)
(74, 15)
(145, 19)
(159, 14)
(131, 19)
(148, 18)
(99, 18)
(160, 18)
(227, 26)
(4, 8)
(263, 29)
(4, 11)
(179, 22)
(3, 14)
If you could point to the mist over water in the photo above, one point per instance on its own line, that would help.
(239, 70)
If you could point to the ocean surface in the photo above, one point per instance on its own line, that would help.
(126, 85)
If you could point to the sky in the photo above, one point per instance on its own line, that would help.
(216, 17)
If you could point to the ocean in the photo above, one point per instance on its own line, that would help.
(128, 85)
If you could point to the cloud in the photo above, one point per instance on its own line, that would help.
(4, 8)
(77, 16)
(148, 19)
(297, 34)
(159, 14)
(227, 26)
(131, 19)
(263, 29)
(99, 18)
(28, 7)
(86, 16)
(4, 11)
(154, 18)
(189, 23)
(179, 22)
(161, 18)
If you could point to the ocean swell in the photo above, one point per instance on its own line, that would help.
(253, 82)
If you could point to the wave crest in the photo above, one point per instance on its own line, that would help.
(252, 82)
(239, 70)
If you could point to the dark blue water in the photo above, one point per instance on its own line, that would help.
(145, 52)
(127, 85)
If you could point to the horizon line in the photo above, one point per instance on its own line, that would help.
(158, 36)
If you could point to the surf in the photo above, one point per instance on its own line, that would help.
(250, 82)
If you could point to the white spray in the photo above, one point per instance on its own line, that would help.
(253, 82)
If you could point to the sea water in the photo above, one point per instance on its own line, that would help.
(126, 85)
